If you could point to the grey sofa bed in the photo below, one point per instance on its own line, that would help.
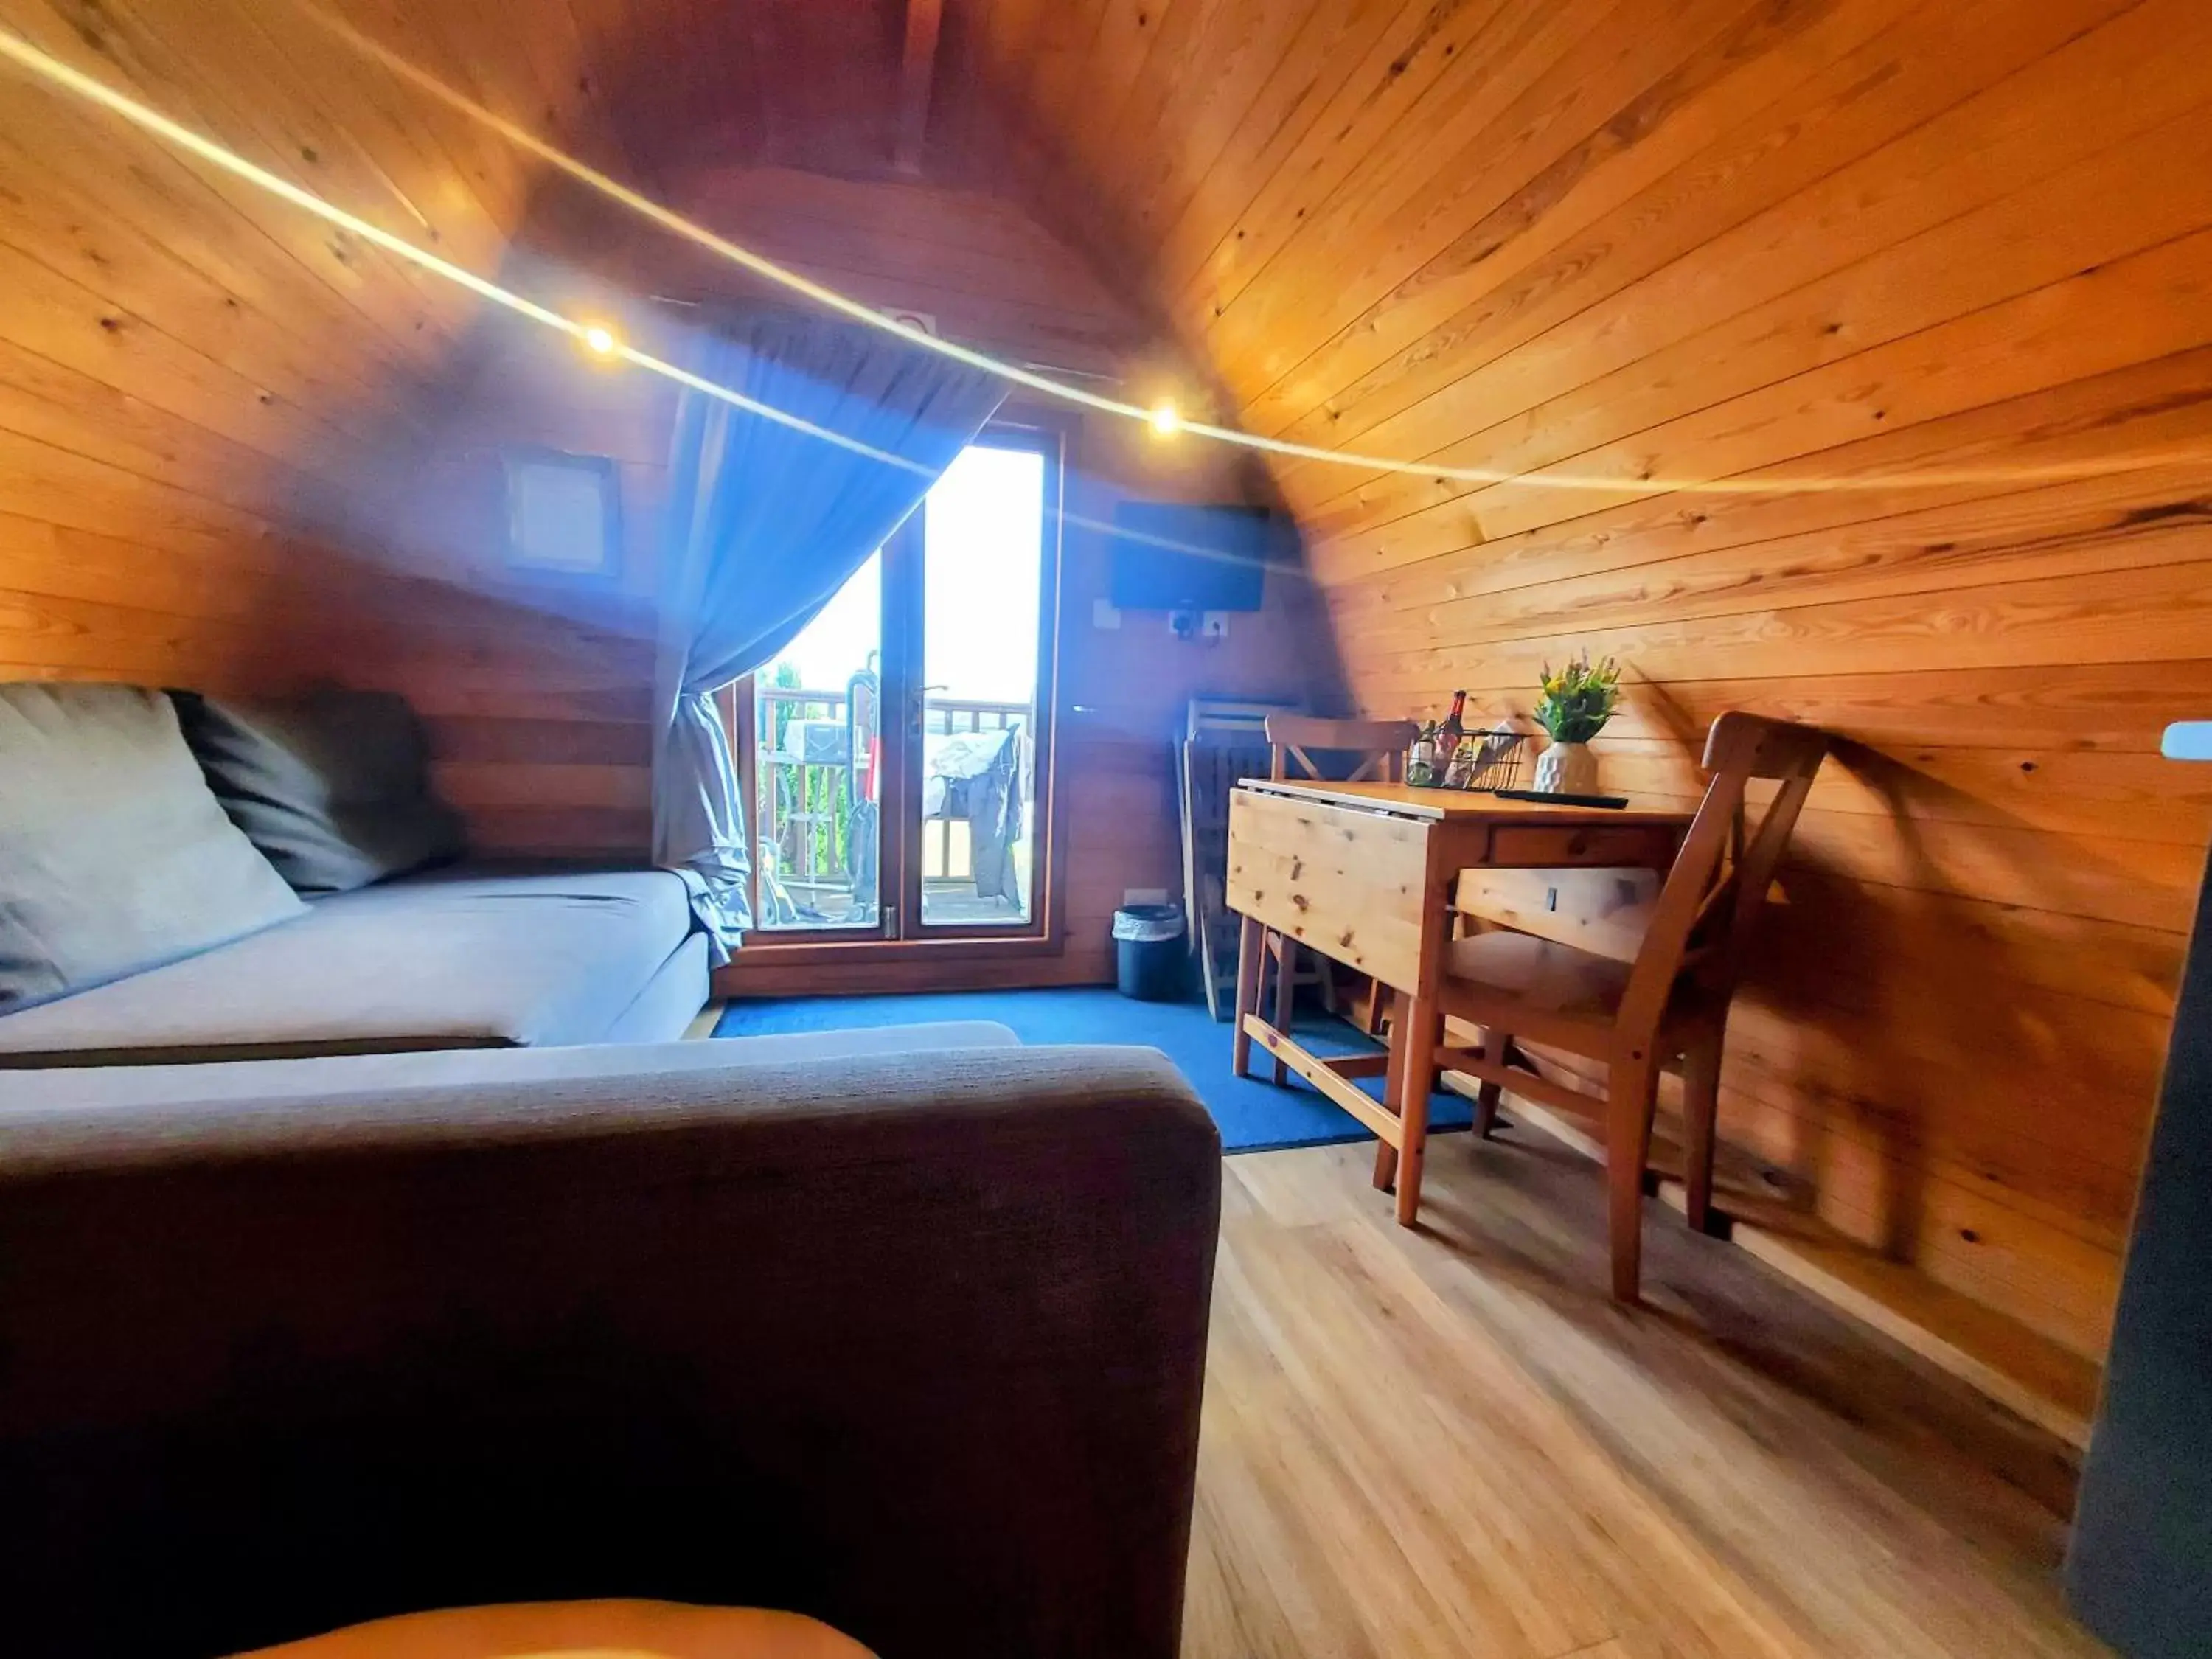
(478, 957)
(250, 883)
(903, 1328)
(913, 1347)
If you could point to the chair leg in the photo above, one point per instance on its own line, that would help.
(1421, 1022)
(1325, 971)
(1632, 1092)
(1379, 997)
(1286, 990)
(1701, 1104)
(1495, 1045)
(1251, 960)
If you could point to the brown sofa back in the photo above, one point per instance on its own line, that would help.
(915, 1347)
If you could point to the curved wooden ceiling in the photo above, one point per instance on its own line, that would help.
(1959, 256)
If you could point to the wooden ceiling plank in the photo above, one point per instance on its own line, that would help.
(2064, 222)
(51, 340)
(1129, 31)
(2140, 308)
(1332, 42)
(465, 198)
(1145, 123)
(1486, 125)
(1227, 76)
(1988, 149)
(925, 18)
(1668, 145)
(236, 316)
(394, 317)
(1362, 101)
(312, 136)
(2149, 406)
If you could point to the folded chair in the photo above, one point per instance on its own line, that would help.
(1302, 746)
(1640, 999)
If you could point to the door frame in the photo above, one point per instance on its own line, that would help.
(993, 949)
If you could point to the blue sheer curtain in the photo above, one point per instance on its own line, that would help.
(766, 519)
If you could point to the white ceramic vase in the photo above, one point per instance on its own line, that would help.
(1567, 768)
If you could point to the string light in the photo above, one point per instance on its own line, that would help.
(1611, 484)
(1163, 419)
(595, 337)
(14, 48)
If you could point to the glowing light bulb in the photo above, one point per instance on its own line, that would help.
(1164, 421)
(600, 340)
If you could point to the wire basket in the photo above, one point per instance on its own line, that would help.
(1501, 758)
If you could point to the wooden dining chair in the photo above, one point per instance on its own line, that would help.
(1337, 751)
(1642, 987)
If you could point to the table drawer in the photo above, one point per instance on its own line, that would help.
(1545, 846)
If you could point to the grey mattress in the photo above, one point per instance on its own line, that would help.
(455, 959)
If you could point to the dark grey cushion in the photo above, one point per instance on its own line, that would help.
(113, 856)
(453, 959)
(334, 788)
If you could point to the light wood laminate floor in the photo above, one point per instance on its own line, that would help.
(1451, 1442)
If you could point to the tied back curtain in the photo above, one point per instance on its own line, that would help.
(766, 522)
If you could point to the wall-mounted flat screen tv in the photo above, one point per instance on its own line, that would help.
(1169, 556)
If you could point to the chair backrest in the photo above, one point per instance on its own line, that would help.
(1380, 747)
(1713, 896)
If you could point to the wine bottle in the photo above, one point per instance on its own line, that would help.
(1451, 737)
(1421, 769)
(1453, 729)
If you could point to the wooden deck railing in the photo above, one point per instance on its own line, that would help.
(805, 807)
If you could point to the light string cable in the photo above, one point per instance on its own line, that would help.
(1613, 483)
(592, 336)
(21, 52)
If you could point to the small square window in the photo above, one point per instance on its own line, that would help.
(563, 514)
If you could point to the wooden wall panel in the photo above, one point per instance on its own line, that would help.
(236, 441)
(1849, 361)
(207, 399)
(242, 450)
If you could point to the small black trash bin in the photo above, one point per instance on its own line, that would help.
(1148, 952)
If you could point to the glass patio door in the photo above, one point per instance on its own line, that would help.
(817, 768)
(973, 818)
(895, 754)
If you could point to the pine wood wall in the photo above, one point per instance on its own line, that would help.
(1941, 276)
(209, 402)
(241, 451)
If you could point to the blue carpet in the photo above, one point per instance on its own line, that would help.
(1254, 1115)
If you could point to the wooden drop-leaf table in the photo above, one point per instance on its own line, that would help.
(1364, 873)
